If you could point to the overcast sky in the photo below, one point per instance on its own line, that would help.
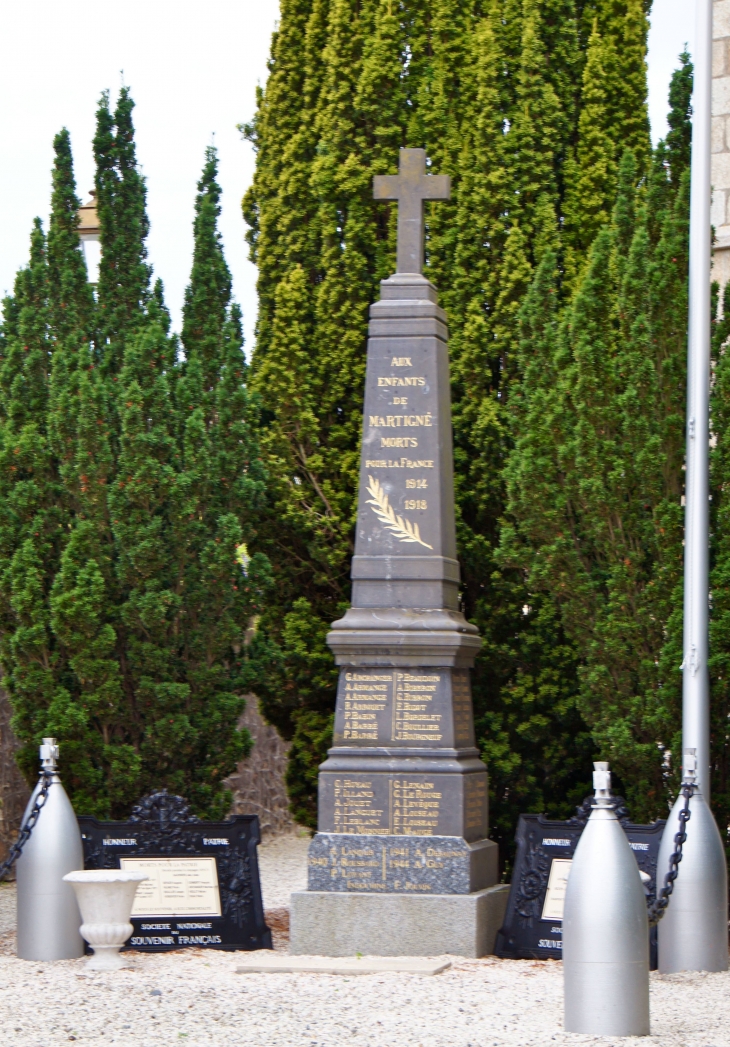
(193, 70)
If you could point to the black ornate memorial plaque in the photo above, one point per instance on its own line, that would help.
(526, 933)
(209, 865)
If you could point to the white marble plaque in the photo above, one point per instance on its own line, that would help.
(176, 886)
(555, 895)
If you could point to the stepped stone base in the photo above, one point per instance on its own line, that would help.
(325, 923)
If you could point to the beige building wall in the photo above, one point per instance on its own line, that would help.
(721, 139)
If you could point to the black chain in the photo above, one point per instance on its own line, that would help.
(659, 906)
(28, 825)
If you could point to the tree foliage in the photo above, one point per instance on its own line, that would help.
(512, 98)
(595, 479)
(132, 480)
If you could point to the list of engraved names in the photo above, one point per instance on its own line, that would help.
(411, 806)
(396, 706)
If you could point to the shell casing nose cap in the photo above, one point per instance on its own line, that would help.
(49, 753)
(602, 780)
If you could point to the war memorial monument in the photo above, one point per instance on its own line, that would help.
(401, 863)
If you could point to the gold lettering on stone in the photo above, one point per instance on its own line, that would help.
(398, 441)
(475, 801)
(398, 421)
(414, 807)
(401, 361)
(413, 718)
(354, 808)
(400, 463)
(400, 527)
(365, 697)
(368, 868)
(461, 703)
(395, 380)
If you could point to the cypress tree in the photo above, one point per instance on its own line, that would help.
(123, 289)
(30, 518)
(719, 523)
(310, 399)
(219, 491)
(51, 318)
(591, 173)
(623, 26)
(595, 478)
(132, 479)
(71, 299)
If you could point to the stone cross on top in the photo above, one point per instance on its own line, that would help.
(410, 187)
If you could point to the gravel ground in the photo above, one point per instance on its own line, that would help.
(283, 868)
(195, 997)
(7, 907)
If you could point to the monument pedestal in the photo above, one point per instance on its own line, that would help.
(401, 864)
(333, 924)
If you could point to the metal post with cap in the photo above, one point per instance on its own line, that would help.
(693, 934)
(605, 928)
(48, 914)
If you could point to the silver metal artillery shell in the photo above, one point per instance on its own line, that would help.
(605, 934)
(48, 914)
(693, 932)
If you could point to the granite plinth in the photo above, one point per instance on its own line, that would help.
(400, 864)
(325, 923)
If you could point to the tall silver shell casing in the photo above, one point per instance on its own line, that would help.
(693, 932)
(48, 914)
(605, 935)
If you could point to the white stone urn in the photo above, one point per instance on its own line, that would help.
(105, 898)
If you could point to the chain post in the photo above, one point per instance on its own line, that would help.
(30, 822)
(689, 787)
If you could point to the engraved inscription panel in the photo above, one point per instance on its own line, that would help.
(417, 715)
(462, 708)
(383, 804)
(415, 804)
(363, 706)
(419, 708)
(399, 481)
(476, 809)
(404, 864)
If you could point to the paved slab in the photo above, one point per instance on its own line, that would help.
(262, 962)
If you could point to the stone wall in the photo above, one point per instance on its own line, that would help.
(258, 783)
(721, 139)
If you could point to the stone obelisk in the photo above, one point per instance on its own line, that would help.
(401, 863)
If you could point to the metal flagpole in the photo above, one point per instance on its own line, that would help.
(693, 933)
(696, 681)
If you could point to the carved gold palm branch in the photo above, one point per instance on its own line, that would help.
(403, 529)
